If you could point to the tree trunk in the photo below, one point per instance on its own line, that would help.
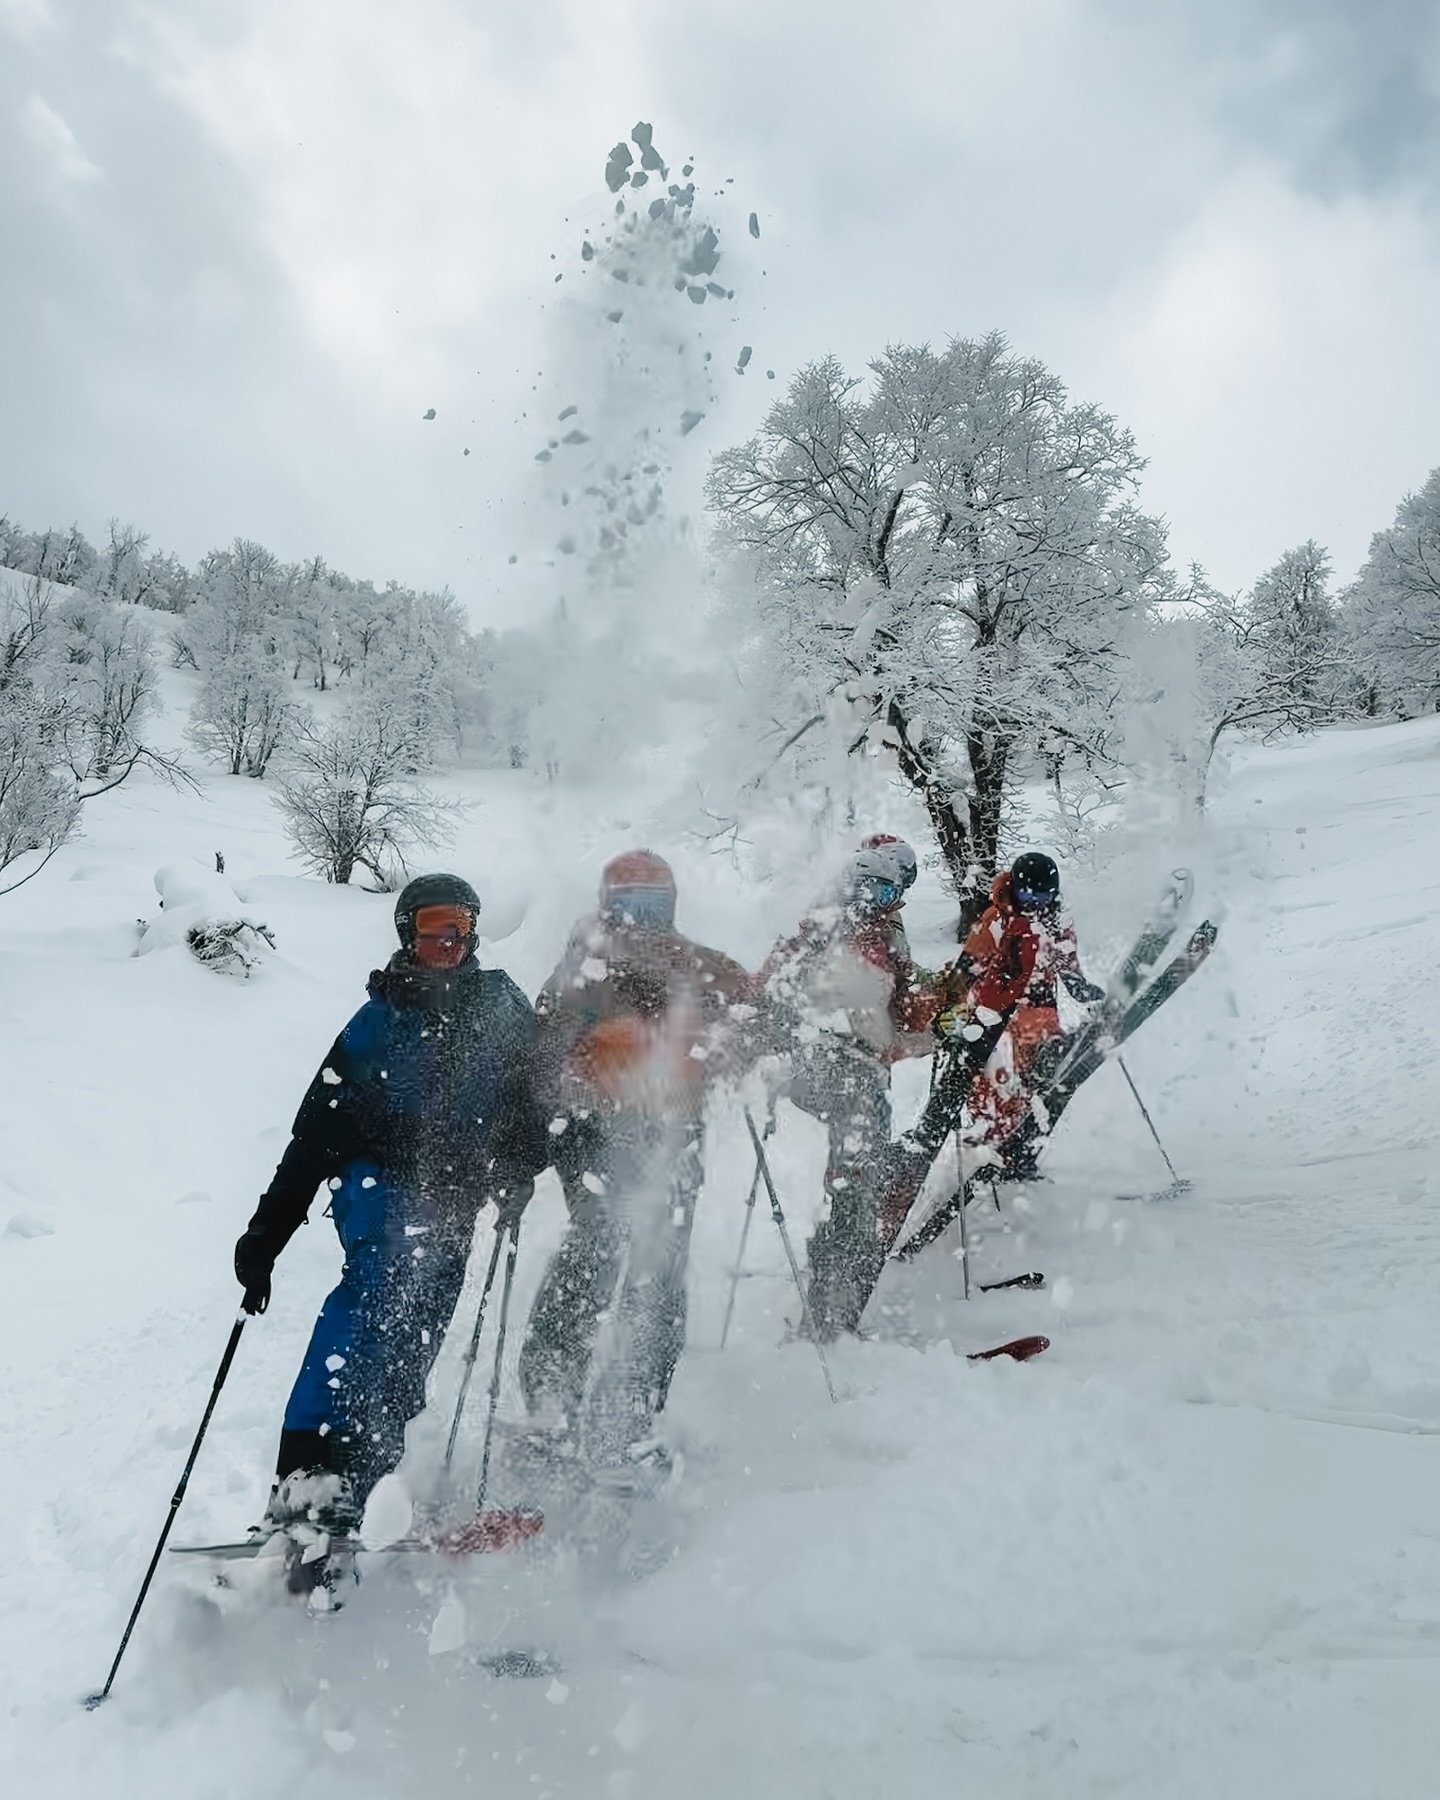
(951, 833)
(989, 759)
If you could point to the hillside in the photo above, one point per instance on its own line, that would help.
(1191, 1552)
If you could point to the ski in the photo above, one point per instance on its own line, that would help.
(1052, 1099)
(938, 1223)
(1031, 1280)
(1134, 970)
(1153, 941)
(1089, 1051)
(493, 1529)
(1171, 1192)
(516, 1665)
(1019, 1349)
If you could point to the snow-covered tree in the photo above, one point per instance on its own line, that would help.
(365, 616)
(414, 670)
(944, 554)
(64, 557)
(75, 687)
(125, 573)
(110, 685)
(172, 586)
(238, 636)
(315, 633)
(348, 799)
(1273, 659)
(39, 803)
(1392, 610)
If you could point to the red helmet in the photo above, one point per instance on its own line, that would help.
(900, 852)
(639, 887)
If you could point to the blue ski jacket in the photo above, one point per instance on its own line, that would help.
(425, 1108)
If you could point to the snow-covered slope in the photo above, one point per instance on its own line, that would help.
(1191, 1552)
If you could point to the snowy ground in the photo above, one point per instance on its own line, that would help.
(1194, 1551)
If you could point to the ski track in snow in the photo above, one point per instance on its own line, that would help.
(1194, 1551)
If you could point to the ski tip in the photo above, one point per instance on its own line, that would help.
(518, 1665)
(1019, 1349)
(497, 1528)
(1156, 1195)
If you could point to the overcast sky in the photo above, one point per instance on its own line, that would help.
(246, 244)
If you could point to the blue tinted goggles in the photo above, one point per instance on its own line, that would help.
(642, 905)
(880, 893)
(1030, 900)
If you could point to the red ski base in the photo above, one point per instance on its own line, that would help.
(1019, 1349)
(497, 1528)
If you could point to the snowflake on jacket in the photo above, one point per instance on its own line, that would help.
(635, 1018)
(849, 974)
(425, 1107)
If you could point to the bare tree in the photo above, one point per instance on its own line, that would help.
(349, 802)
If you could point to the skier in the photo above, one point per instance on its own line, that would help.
(849, 1002)
(1001, 1091)
(423, 1112)
(634, 1023)
(1005, 973)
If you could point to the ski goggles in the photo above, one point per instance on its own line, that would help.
(1031, 900)
(443, 935)
(642, 905)
(875, 891)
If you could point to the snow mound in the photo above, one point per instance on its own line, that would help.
(200, 909)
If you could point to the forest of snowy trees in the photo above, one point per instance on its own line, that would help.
(944, 557)
(947, 557)
(83, 632)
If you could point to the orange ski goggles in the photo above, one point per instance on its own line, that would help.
(444, 935)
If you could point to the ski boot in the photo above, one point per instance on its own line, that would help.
(316, 1515)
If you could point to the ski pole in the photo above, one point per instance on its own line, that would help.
(94, 1700)
(499, 1354)
(964, 1226)
(473, 1349)
(762, 1162)
(1145, 1115)
(744, 1236)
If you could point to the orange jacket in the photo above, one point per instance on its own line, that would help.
(632, 1017)
(1010, 957)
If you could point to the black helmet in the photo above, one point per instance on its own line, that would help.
(1034, 881)
(434, 890)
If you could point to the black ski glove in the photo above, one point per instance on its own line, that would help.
(254, 1262)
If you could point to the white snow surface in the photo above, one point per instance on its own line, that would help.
(1193, 1551)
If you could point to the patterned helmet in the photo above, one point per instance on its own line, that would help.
(904, 855)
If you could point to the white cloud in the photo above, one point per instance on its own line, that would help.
(1280, 366)
(26, 18)
(50, 135)
(324, 217)
(406, 167)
